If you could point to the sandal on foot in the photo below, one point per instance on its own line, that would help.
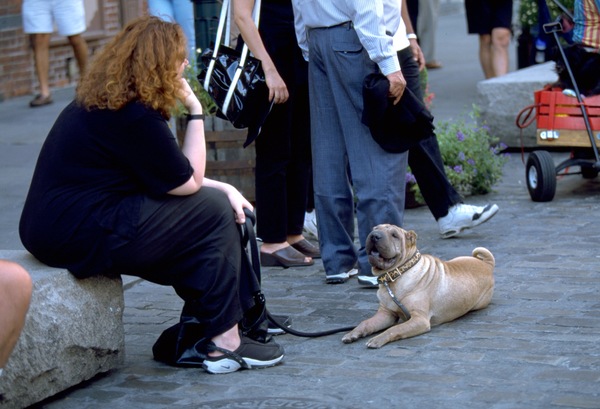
(285, 257)
(40, 100)
(249, 355)
(307, 248)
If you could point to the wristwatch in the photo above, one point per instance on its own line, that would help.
(196, 116)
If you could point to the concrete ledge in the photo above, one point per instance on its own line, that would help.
(502, 98)
(73, 331)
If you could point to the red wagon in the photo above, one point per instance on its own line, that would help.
(564, 119)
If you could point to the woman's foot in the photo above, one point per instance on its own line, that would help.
(229, 352)
(40, 100)
(282, 255)
(305, 247)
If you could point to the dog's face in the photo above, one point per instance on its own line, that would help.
(389, 246)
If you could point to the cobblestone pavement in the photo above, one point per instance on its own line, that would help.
(536, 346)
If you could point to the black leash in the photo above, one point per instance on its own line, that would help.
(248, 232)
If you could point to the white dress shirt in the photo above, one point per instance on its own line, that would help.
(375, 22)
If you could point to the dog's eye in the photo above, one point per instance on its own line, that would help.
(395, 235)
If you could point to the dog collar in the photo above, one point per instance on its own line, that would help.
(394, 274)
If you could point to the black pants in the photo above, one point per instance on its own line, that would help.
(425, 159)
(193, 244)
(283, 157)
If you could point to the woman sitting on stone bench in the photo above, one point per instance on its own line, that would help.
(113, 193)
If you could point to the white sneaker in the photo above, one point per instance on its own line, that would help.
(341, 277)
(310, 226)
(368, 281)
(462, 216)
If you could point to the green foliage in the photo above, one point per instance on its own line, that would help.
(528, 11)
(472, 156)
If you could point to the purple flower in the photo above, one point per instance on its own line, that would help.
(460, 136)
(410, 178)
(458, 169)
(461, 156)
(471, 162)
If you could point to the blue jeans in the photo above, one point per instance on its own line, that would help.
(180, 12)
(348, 165)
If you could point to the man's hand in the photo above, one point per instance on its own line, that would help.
(417, 53)
(397, 85)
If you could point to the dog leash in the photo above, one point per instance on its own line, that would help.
(249, 230)
(393, 275)
(398, 303)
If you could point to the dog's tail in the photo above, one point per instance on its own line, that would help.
(484, 255)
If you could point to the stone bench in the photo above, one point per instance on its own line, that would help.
(73, 331)
(502, 98)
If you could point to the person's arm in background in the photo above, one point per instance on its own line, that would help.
(15, 296)
(300, 30)
(242, 14)
(414, 44)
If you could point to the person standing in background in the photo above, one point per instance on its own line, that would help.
(344, 41)
(15, 295)
(427, 21)
(180, 12)
(283, 147)
(492, 21)
(586, 30)
(39, 17)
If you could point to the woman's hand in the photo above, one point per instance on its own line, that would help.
(278, 92)
(238, 203)
(189, 99)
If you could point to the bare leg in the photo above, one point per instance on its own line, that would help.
(40, 43)
(485, 55)
(15, 295)
(80, 49)
(499, 50)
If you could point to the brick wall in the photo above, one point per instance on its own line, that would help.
(17, 73)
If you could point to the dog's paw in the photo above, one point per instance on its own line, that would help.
(376, 342)
(351, 337)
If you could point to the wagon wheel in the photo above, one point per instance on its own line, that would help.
(541, 176)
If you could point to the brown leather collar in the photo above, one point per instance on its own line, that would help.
(394, 274)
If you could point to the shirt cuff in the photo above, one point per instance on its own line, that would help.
(389, 65)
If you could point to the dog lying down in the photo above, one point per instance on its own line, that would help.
(427, 290)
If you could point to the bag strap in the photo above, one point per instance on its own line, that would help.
(225, 24)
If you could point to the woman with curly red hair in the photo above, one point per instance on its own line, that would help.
(113, 193)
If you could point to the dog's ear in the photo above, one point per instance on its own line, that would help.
(411, 237)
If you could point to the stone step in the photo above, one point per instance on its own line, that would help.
(501, 99)
(73, 331)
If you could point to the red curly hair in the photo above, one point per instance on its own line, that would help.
(141, 63)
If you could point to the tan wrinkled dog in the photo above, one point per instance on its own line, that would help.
(431, 290)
